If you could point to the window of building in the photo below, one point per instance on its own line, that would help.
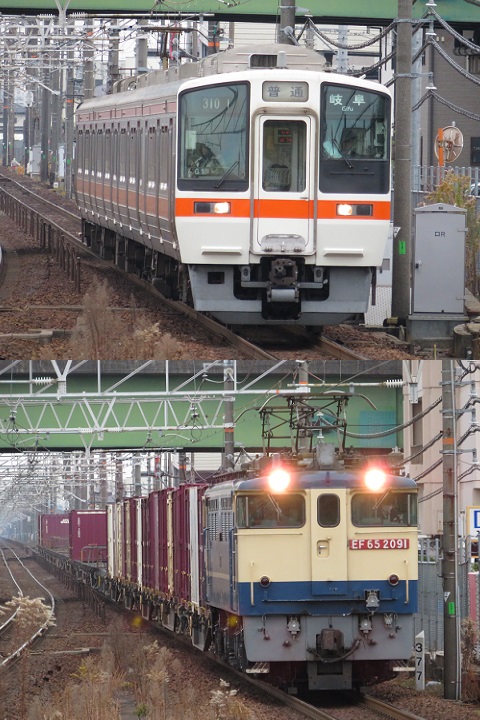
(475, 151)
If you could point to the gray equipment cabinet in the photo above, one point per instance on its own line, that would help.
(439, 259)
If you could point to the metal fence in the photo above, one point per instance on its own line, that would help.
(431, 599)
(425, 178)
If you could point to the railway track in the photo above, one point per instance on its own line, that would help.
(27, 208)
(24, 585)
(58, 229)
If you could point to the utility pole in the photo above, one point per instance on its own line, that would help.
(451, 675)
(402, 212)
(229, 425)
(286, 29)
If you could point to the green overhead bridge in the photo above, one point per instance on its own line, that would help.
(374, 12)
(78, 406)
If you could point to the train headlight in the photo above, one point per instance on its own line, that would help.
(375, 479)
(357, 209)
(211, 208)
(279, 480)
(265, 581)
(393, 579)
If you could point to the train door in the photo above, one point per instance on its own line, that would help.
(284, 186)
(329, 547)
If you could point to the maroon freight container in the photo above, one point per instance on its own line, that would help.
(152, 579)
(53, 531)
(141, 540)
(165, 542)
(88, 536)
(181, 542)
(131, 530)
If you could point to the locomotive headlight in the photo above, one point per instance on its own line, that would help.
(344, 209)
(375, 479)
(279, 480)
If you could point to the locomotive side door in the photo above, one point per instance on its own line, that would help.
(284, 207)
(329, 545)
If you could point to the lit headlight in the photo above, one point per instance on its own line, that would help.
(221, 208)
(279, 480)
(375, 479)
(357, 209)
(211, 208)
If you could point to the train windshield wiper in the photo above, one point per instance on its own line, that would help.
(227, 173)
(337, 146)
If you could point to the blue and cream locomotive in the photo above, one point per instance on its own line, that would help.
(311, 575)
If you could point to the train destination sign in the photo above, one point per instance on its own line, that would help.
(379, 544)
(282, 91)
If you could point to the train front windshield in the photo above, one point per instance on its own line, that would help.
(354, 140)
(263, 510)
(388, 509)
(213, 138)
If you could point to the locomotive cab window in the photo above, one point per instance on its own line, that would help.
(354, 140)
(389, 508)
(213, 138)
(262, 510)
(328, 510)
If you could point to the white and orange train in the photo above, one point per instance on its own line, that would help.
(251, 184)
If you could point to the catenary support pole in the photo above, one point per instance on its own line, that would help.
(402, 213)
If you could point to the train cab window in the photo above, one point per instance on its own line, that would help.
(354, 140)
(213, 138)
(284, 156)
(262, 510)
(389, 508)
(328, 510)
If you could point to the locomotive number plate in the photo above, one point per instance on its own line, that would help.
(379, 544)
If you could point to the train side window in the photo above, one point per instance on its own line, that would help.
(132, 156)
(86, 157)
(328, 510)
(107, 157)
(151, 158)
(122, 156)
(80, 152)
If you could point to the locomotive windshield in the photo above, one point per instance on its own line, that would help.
(213, 138)
(388, 509)
(354, 140)
(262, 510)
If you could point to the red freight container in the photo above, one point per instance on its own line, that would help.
(88, 535)
(53, 531)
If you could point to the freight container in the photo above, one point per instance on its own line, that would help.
(88, 536)
(53, 531)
